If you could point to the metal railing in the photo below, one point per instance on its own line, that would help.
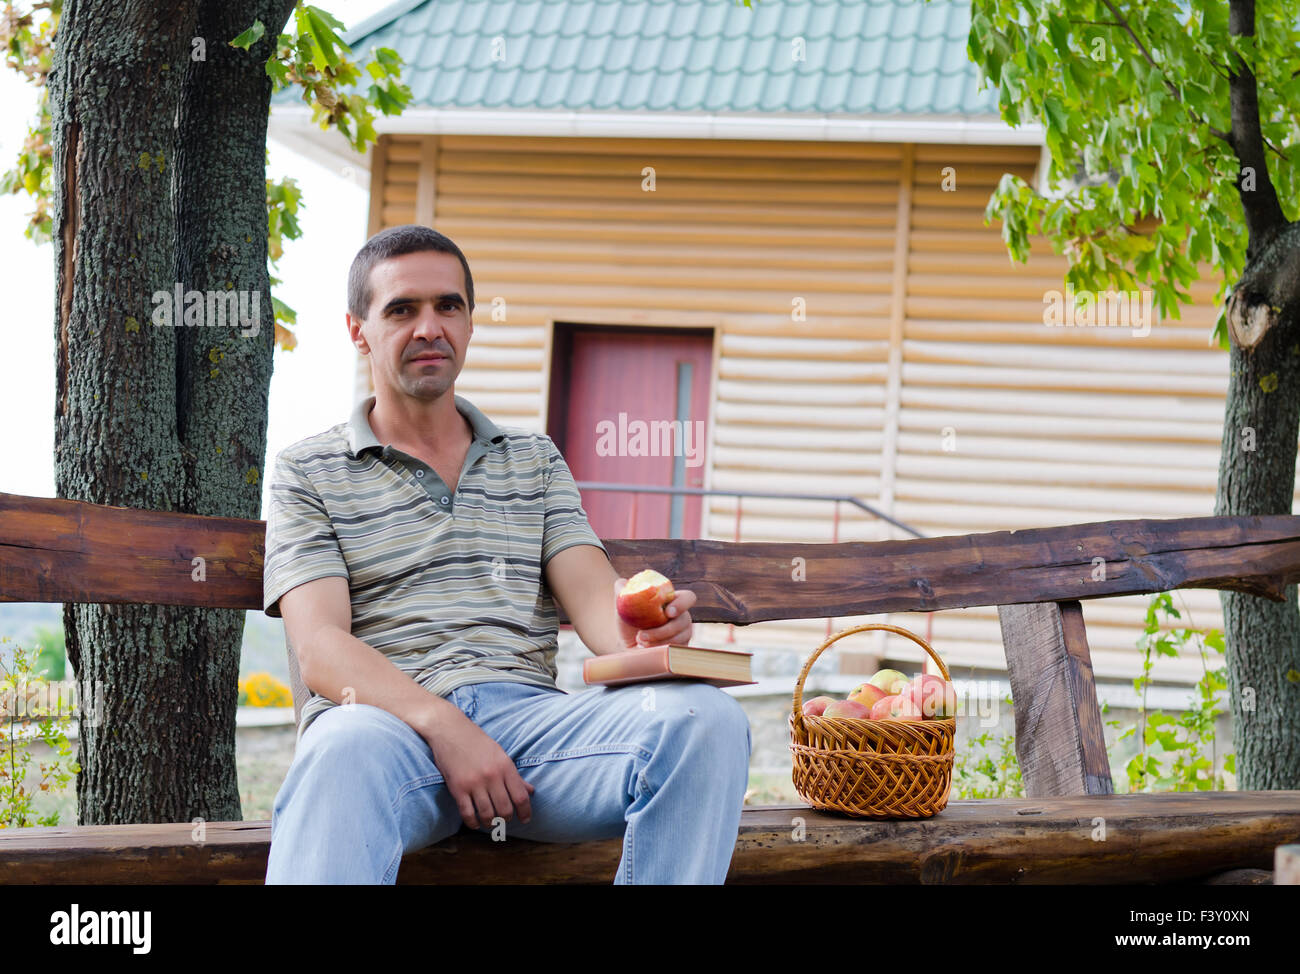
(740, 495)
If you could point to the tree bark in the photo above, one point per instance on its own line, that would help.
(1257, 471)
(161, 163)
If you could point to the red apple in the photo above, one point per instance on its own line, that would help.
(868, 694)
(641, 603)
(933, 695)
(816, 706)
(897, 707)
(847, 708)
(880, 710)
(905, 709)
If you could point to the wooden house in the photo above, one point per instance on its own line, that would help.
(768, 223)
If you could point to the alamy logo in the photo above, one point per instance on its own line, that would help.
(656, 438)
(1099, 309)
(72, 927)
(208, 309)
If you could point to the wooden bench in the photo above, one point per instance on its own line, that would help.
(65, 551)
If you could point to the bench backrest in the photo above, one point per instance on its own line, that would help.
(55, 550)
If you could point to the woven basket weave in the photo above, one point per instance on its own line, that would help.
(872, 768)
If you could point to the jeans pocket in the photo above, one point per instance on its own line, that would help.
(466, 699)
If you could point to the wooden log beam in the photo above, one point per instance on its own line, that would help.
(54, 550)
(1060, 740)
(1088, 840)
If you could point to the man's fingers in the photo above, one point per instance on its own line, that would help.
(682, 603)
(501, 801)
(671, 631)
(519, 791)
(466, 806)
(483, 806)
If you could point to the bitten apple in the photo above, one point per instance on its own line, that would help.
(891, 681)
(641, 603)
(935, 696)
(847, 708)
(816, 706)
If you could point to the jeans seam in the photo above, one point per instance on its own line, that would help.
(413, 784)
(589, 750)
(395, 863)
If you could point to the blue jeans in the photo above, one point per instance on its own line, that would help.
(664, 764)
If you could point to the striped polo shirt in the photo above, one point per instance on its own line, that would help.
(447, 584)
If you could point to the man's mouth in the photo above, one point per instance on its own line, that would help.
(429, 358)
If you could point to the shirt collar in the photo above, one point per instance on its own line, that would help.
(361, 437)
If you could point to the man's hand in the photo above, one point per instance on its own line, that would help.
(480, 776)
(677, 629)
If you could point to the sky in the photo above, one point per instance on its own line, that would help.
(311, 387)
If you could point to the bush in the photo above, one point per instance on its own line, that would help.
(24, 681)
(264, 690)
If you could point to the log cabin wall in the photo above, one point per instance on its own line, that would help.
(873, 338)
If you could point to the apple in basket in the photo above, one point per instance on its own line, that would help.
(868, 694)
(897, 707)
(935, 696)
(847, 708)
(816, 706)
(891, 681)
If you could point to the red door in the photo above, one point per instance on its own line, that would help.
(637, 412)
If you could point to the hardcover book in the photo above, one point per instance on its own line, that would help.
(720, 667)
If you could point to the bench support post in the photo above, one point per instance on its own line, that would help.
(1060, 740)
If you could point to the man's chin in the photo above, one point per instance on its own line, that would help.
(427, 389)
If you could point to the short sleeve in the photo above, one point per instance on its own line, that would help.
(566, 522)
(301, 545)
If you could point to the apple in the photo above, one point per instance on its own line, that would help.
(905, 709)
(891, 681)
(641, 603)
(816, 706)
(880, 710)
(847, 708)
(897, 707)
(867, 694)
(934, 695)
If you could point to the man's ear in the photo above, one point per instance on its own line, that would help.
(354, 333)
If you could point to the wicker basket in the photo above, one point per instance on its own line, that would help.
(872, 768)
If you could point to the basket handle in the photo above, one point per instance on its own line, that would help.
(798, 686)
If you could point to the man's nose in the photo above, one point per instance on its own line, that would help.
(428, 327)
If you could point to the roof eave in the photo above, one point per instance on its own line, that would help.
(291, 126)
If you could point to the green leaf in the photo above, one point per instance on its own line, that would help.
(1055, 114)
(250, 37)
(318, 28)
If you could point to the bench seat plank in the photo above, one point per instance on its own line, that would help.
(1148, 839)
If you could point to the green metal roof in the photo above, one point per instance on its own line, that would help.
(863, 57)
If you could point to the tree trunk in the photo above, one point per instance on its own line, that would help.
(1257, 471)
(161, 181)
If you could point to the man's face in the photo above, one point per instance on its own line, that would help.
(418, 325)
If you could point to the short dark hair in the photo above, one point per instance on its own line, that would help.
(410, 238)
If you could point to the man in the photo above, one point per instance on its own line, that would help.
(415, 554)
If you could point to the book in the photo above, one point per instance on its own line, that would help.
(670, 661)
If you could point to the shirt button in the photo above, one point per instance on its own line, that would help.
(446, 500)
(419, 473)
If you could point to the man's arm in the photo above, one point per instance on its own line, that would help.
(479, 774)
(332, 661)
(585, 583)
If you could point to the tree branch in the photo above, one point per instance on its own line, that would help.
(1260, 205)
(1173, 89)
